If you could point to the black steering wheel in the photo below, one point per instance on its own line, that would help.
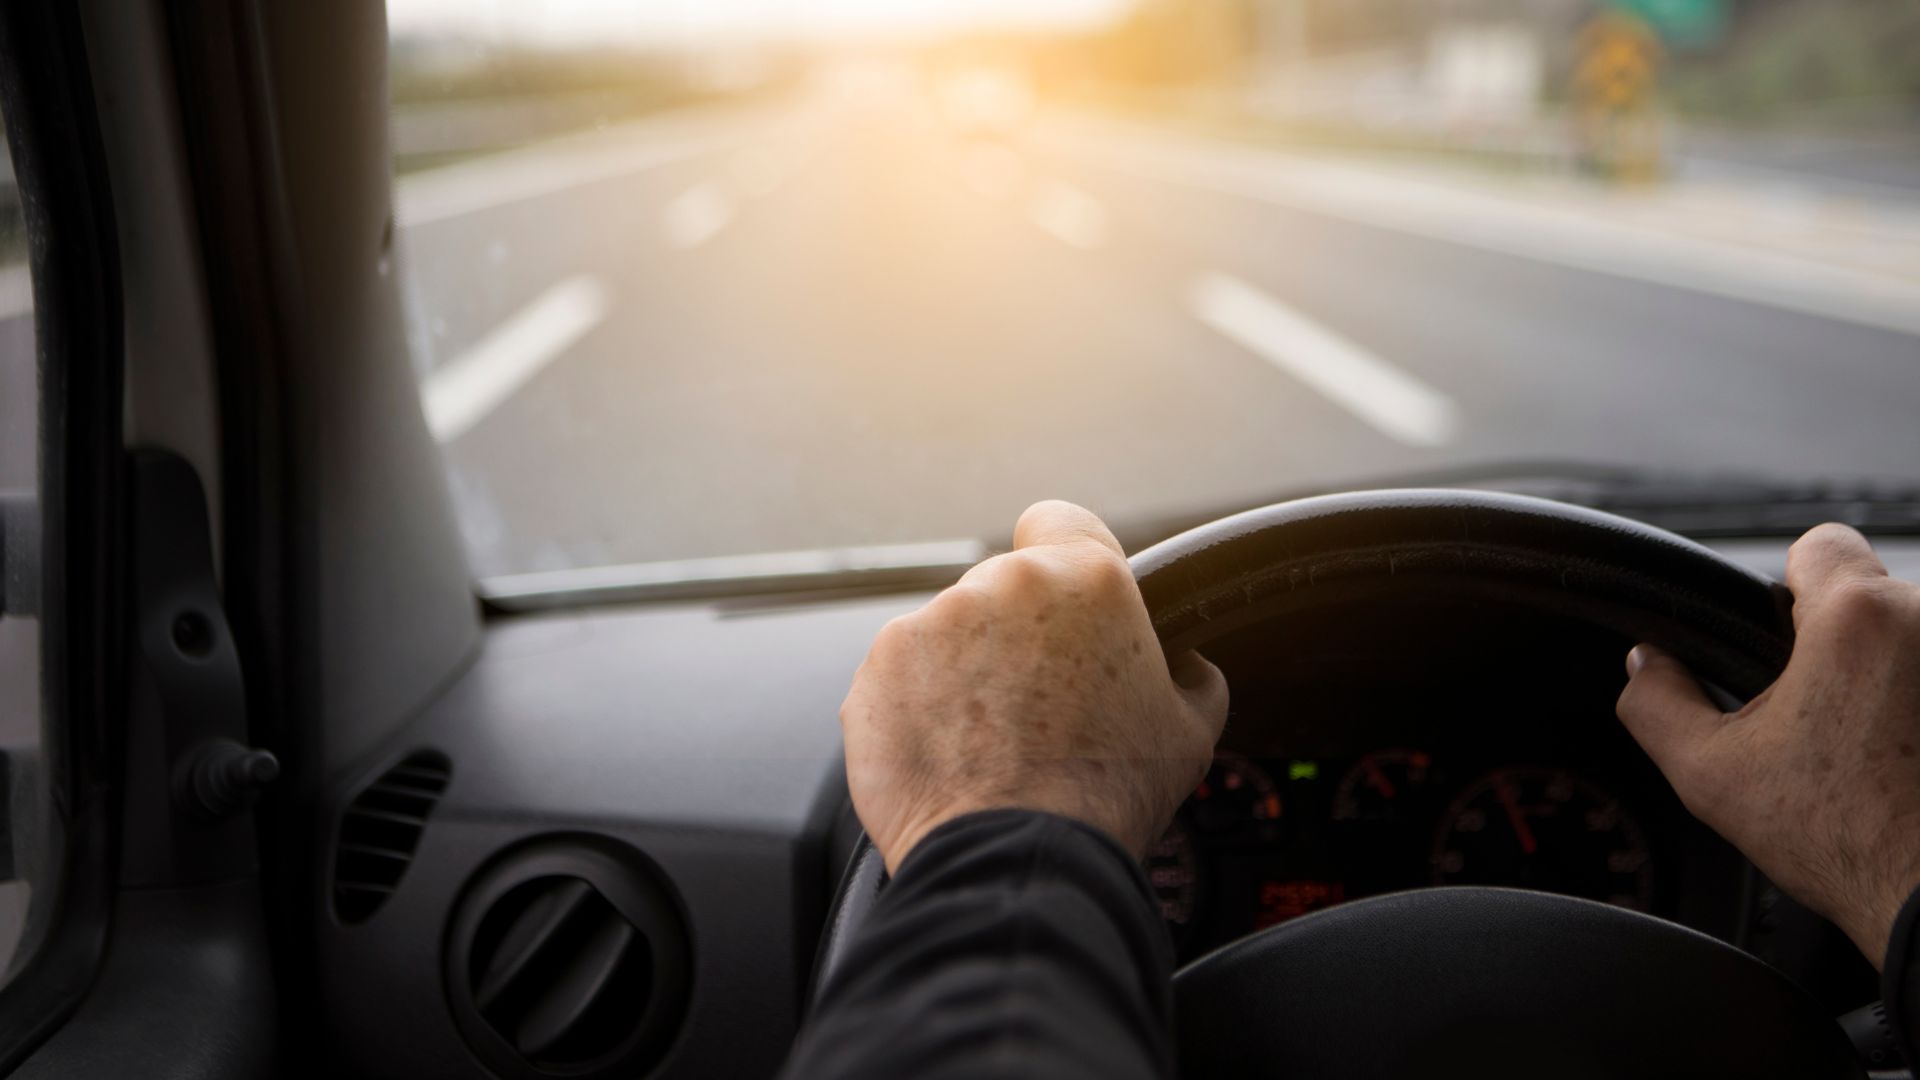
(1481, 982)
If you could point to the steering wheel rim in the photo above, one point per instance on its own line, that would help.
(1733, 627)
(1496, 984)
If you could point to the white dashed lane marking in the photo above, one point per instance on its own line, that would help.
(458, 394)
(1392, 401)
(697, 215)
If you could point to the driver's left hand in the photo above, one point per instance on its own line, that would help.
(1035, 682)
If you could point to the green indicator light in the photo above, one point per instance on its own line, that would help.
(1303, 770)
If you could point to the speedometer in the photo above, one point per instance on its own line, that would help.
(1544, 829)
(1386, 785)
(1236, 800)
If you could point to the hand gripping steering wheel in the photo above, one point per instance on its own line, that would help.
(1470, 982)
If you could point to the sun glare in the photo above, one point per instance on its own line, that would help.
(669, 21)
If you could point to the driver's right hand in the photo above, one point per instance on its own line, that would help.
(1817, 780)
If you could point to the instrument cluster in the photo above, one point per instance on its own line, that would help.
(1264, 840)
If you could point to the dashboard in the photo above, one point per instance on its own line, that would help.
(703, 737)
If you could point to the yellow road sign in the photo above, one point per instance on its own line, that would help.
(1619, 63)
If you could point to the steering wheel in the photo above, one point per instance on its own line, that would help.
(1481, 982)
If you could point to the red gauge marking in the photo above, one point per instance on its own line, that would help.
(1376, 779)
(1511, 800)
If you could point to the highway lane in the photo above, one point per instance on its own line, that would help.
(822, 328)
(1548, 360)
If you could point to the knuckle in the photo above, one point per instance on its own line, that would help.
(958, 602)
(1106, 574)
(955, 611)
(988, 569)
(1049, 507)
(1862, 601)
(1824, 536)
(1079, 568)
(1023, 570)
(1012, 579)
(1823, 542)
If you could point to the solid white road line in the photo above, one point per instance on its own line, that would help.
(1070, 214)
(459, 393)
(1370, 388)
(697, 215)
(1549, 234)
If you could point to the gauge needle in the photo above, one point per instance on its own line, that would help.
(1378, 781)
(1511, 800)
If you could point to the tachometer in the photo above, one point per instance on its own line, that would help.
(1544, 829)
(1236, 797)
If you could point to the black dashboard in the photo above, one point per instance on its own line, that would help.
(1394, 749)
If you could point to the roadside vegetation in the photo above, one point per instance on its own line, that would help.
(1846, 61)
(457, 98)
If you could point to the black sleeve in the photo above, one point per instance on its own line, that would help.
(1900, 979)
(1011, 944)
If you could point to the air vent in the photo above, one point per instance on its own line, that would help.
(568, 957)
(379, 831)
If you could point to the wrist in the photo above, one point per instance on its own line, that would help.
(1870, 923)
(895, 847)
(1002, 821)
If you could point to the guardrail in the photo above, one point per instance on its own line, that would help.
(449, 128)
(458, 127)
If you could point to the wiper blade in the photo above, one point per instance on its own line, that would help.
(1787, 511)
(1694, 504)
(928, 565)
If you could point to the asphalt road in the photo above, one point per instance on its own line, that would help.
(853, 325)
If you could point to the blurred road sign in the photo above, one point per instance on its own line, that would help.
(1618, 64)
(1686, 24)
(1616, 80)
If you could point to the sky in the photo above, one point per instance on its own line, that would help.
(667, 21)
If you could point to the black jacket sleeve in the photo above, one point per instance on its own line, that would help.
(1900, 979)
(1011, 944)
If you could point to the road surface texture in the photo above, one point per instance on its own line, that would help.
(843, 322)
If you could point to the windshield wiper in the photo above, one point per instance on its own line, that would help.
(877, 567)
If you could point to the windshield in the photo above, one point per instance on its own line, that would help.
(718, 278)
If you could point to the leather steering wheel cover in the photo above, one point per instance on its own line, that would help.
(1732, 626)
(1491, 984)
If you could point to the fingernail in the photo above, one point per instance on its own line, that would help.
(1636, 659)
